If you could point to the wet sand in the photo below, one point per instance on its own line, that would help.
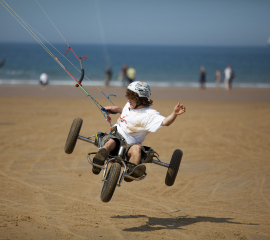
(222, 190)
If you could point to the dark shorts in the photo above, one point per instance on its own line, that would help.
(127, 146)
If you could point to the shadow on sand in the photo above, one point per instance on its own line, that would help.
(154, 223)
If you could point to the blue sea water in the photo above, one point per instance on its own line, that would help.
(159, 65)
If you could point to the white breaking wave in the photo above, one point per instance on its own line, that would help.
(120, 84)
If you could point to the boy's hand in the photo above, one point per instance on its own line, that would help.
(179, 109)
(112, 109)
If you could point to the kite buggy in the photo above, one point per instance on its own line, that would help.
(112, 168)
(112, 162)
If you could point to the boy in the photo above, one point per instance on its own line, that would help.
(136, 121)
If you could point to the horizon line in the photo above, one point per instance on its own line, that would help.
(136, 44)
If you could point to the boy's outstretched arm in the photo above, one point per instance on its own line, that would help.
(178, 110)
(114, 109)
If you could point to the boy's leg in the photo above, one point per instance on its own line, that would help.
(110, 145)
(102, 155)
(134, 154)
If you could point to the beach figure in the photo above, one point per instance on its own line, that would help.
(108, 76)
(123, 75)
(44, 79)
(131, 74)
(137, 119)
(218, 78)
(231, 79)
(202, 78)
(227, 74)
(2, 62)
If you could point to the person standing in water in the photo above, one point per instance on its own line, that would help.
(123, 75)
(202, 79)
(227, 73)
(131, 74)
(44, 79)
(218, 78)
(108, 76)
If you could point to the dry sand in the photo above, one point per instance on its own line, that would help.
(222, 190)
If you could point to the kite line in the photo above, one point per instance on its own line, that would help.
(33, 33)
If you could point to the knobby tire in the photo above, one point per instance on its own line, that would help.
(73, 135)
(173, 167)
(111, 182)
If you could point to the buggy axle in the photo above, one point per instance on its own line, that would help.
(86, 139)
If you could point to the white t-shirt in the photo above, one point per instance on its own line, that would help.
(227, 73)
(44, 78)
(134, 124)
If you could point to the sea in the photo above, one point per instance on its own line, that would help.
(160, 66)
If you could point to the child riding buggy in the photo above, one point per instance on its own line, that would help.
(120, 148)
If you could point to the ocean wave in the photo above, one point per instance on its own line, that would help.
(120, 84)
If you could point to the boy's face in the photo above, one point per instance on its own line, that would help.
(132, 103)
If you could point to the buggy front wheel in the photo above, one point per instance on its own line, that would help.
(110, 182)
(73, 135)
(173, 167)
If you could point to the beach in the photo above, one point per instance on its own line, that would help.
(222, 190)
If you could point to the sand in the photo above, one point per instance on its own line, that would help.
(222, 190)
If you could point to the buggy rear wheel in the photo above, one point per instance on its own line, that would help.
(110, 182)
(173, 167)
(73, 135)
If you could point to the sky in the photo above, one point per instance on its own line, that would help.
(149, 22)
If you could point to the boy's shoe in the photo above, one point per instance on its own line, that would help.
(99, 159)
(135, 171)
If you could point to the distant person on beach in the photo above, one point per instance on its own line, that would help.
(218, 78)
(131, 74)
(123, 75)
(231, 79)
(108, 76)
(2, 62)
(227, 78)
(137, 120)
(44, 79)
(202, 79)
